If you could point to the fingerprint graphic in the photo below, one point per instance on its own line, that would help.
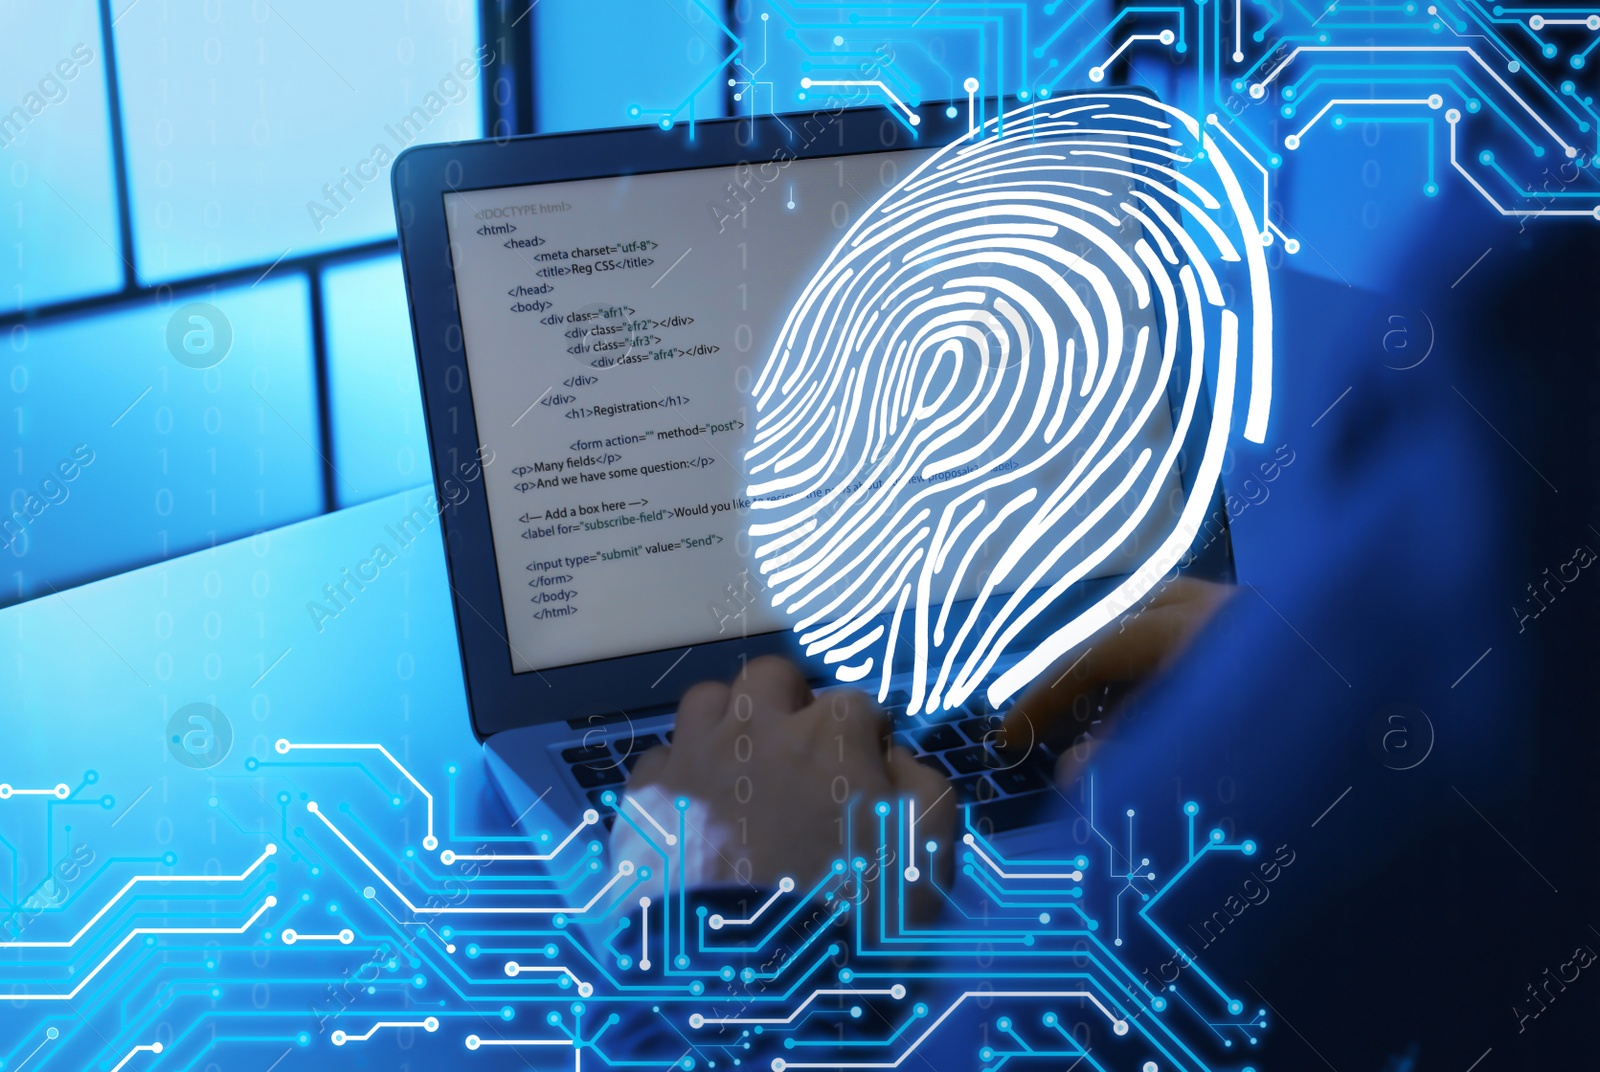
(981, 400)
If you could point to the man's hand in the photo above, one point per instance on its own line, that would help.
(775, 774)
(1061, 705)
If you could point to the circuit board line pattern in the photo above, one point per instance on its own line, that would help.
(1502, 89)
(357, 891)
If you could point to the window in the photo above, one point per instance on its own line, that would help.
(629, 61)
(123, 455)
(380, 444)
(199, 177)
(257, 130)
(179, 175)
(59, 234)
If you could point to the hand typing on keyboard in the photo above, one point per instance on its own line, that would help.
(774, 774)
(1069, 706)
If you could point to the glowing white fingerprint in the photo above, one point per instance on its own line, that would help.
(981, 400)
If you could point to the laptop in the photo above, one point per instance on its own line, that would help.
(592, 315)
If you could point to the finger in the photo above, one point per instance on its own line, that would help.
(935, 798)
(852, 715)
(699, 712)
(1055, 697)
(935, 808)
(1074, 761)
(650, 766)
(1128, 650)
(1195, 591)
(770, 685)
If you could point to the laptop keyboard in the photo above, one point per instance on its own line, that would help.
(1006, 786)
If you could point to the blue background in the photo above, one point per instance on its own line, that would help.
(179, 164)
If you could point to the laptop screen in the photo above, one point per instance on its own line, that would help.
(614, 329)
